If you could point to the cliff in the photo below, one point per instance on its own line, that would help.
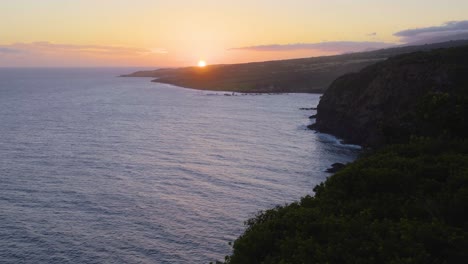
(403, 202)
(380, 104)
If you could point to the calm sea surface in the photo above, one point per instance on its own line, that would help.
(100, 169)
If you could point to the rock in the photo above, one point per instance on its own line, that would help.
(365, 108)
(313, 116)
(335, 167)
(311, 126)
(308, 108)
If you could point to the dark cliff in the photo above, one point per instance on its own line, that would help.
(380, 104)
(405, 201)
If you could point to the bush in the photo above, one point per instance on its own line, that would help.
(403, 204)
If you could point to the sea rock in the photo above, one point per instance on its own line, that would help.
(335, 167)
(308, 108)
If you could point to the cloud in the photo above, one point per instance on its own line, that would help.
(159, 51)
(47, 47)
(52, 54)
(453, 30)
(6, 50)
(329, 46)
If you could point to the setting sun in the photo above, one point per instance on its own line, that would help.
(201, 63)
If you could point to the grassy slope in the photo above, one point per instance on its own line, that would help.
(297, 75)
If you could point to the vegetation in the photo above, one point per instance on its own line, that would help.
(403, 204)
(308, 75)
(406, 202)
(383, 103)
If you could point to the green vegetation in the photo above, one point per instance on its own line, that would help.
(308, 75)
(439, 114)
(302, 75)
(389, 101)
(405, 202)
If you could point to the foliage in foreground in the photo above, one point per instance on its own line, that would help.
(402, 204)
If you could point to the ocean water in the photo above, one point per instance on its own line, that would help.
(100, 169)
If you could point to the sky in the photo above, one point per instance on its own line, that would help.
(159, 33)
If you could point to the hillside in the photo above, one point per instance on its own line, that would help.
(406, 199)
(309, 75)
(381, 103)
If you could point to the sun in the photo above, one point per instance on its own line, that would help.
(201, 63)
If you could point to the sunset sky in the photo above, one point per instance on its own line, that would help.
(153, 33)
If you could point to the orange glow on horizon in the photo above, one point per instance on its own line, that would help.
(201, 63)
(167, 33)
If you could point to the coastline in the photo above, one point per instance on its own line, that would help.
(405, 199)
(306, 75)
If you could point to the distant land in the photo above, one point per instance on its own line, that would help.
(308, 75)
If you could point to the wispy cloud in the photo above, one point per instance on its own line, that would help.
(159, 51)
(53, 54)
(330, 46)
(47, 47)
(452, 30)
(6, 50)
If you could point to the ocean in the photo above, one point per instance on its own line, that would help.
(100, 169)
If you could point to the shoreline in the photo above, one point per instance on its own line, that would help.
(243, 91)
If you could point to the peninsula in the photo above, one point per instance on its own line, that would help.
(308, 75)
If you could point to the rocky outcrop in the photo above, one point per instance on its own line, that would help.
(335, 167)
(358, 107)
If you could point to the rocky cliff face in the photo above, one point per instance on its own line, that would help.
(358, 107)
